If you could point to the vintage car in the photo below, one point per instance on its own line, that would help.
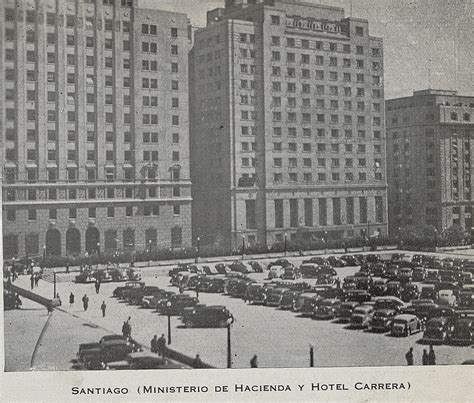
(152, 301)
(327, 309)
(11, 300)
(309, 304)
(274, 296)
(378, 287)
(302, 298)
(463, 331)
(86, 277)
(466, 297)
(135, 296)
(118, 292)
(432, 276)
(359, 296)
(378, 270)
(256, 294)
(336, 262)
(394, 288)
(134, 274)
(350, 260)
(290, 273)
(422, 308)
(280, 262)
(320, 261)
(389, 302)
(392, 271)
(257, 267)
(419, 274)
(410, 292)
(102, 274)
(382, 319)
(405, 325)
(428, 292)
(349, 283)
(241, 267)
(213, 285)
(405, 275)
(181, 267)
(446, 297)
(143, 360)
(361, 316)
(208, 316)
(276, 271)
(345, 310)
(175, 304)
(288, 300)
(238, 289)
(110, 348)
(363, 282)
(117, 274)
(438, 330)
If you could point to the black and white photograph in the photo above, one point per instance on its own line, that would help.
(236, 184)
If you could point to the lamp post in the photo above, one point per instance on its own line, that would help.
(243, 247)
(198, 248)
(149, 246)
(436, 238)
(286, 241)
(54, 284)
(98, 249)
(325, 242)
(44, 255)
(311, 356)
(168, 310)
(229, 349)
(399, 237)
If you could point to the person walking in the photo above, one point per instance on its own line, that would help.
(154, 344)
(97, 286)
(103, 307)
(431, 356)
(424, 359)
(67, 268)
(58, 299)
(409, 356)
(253, 362)
(125, 329)
(37, 279)
(71, 300)
(161, 345)
(197, 291)
(197, 363)
(85, 302)
(32, 281)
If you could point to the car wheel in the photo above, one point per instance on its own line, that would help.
(222, 323)
(188, 324)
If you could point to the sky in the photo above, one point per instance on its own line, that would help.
(427, 43)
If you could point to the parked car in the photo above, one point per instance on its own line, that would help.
(280, 262)
(326, 309)
(394, 288)
(389, 302)
(446, 297)
(350, 260)
(86, 277)
(422, 308)
(405, 325)
(378, 287)
(378, 270)
(438, 330)
(241, 267)
(432, 276)
(336, 262)
(213, 285)
(257, 267)
(152, 301)
(208, 316)
(11, 300)
(143, 360)
(428, 292)
(392, 271)
(289, 299)
(463, 331)
(274, 296)
(276, 271)
(181, 267)
(136, 295)
(349, 283)
(239, 288)
(309, 304)
(175, 304)
(359, 296)
(410, 292)
(382, 319)
(96, 355)
(255, 294)
(320, 261)
(302, 298)
(419, 274)
(466, 297)
(118, 292)
(345, 310)
(362, 315)
(291, 273)
(405, 275)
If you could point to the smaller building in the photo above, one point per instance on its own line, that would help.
(430, 148)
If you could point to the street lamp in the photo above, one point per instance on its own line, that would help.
(229, 350)
(168, 306)
(286, 240)
(243, 246)
(54, 284)
(44, 255)
(325, 239)
(98, 249)
(436, 238)
(149, 246)
(399, 237)
(198, 248)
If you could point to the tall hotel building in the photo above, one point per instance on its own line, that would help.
(430, 148)
(287, 133)
(94, 123)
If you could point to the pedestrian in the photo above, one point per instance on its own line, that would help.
(59, 299)
(125, 329)
(253, 362)
(197, 363)
(37, 279)
(103, 308)
(425, 359)
(32, 280)
(154, 344)
(431, 356)
(409, 356)
(129, 328)
(85, 302)
(71, 300)
(161, 345)
(97, 286)
(197, 291)
(67, 268)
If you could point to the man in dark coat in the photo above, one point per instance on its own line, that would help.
(97, 286)
(161, 345)
(125, 329)
(253, 362)
(85, 302)
(409, 356)
(197, 363)
(154, 344)
(103, 307)
(71, 299)
(32, 280)
(424, 359)
(431, 356)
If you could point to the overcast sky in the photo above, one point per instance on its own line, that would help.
(428, 43)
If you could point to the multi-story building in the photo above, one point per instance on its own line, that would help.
(287, 133)
(430, 148)
(94, 121)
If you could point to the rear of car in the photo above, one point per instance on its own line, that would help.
(326, 309)
(361, 316)
(463, 331)
(436, 331)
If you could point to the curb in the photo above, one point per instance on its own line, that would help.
(38, 342)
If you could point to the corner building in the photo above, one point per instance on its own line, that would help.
(94, 121)
(430, 145)
(287, 133)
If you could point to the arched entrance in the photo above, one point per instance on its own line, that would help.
(53, 242)
(73, 241)
(92, 239)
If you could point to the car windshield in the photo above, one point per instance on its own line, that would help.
(399, 322)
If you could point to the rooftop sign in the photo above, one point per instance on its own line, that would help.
(311, 24)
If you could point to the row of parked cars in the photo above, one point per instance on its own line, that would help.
(109, 273)
(116, 352)
(167, 302)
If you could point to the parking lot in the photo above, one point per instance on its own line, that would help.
(279, 338)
